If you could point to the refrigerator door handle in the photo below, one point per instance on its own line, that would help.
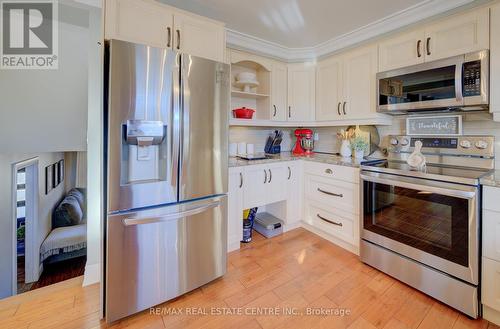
(170, 217)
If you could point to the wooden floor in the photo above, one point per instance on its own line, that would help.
(291, 273)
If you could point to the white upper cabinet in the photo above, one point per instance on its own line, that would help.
(360, 69)
(279, 84)
(495, 62)
(456, 35)
(199, 37)
(139, 21)
(329, 89)
(151, 23)
(404, 50)
(301, 92)
(345, 86)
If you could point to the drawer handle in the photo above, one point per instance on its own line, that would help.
(270, 176)
(330, 193)
(265, 176)
(328, 221)
(329, 171)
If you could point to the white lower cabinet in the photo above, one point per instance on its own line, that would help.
(331, 206)
(320, 197)
(490, 287)
(235, 208)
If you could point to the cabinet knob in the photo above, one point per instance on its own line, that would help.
(329, 171)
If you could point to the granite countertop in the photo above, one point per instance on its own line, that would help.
(492, 179)
(288, 156)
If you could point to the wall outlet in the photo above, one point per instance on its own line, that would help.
(316, 136)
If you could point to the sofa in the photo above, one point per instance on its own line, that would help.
(68, 237)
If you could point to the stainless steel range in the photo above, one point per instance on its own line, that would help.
(423, 227)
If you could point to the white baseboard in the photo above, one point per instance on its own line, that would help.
(92, 274)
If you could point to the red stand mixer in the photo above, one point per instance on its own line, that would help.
(305, 142)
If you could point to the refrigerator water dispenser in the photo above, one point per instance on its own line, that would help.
(142, 149)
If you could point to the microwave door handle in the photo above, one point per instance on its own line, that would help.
(421, 185)
(169, 217)
(459, 81)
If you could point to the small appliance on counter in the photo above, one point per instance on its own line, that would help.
(305, 142)
(273, 144)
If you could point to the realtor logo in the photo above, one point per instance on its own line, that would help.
(29, 35)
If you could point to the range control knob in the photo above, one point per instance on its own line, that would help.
(481, 144)
(465, 144)
(404, 142)
(393, 141)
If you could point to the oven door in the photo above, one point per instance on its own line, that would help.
(434, 223)
(424, 86)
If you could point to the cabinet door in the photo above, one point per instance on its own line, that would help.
(491, 234)
(293, 190)
(495, 59)
(278, 92)
(139, 21)
(457, 35)
(403, 50)
(360, 67)
(329, 89)
(301, 92)
(490, 287)
(277, 179)
(235, 208)
(255, 186)
(199, 37)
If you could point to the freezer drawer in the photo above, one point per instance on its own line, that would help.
(156, 255)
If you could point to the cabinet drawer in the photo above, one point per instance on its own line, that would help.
(491, 195)
(347, 174)
(491, 234)
(490, 286)
(336, 223)
(334, 193)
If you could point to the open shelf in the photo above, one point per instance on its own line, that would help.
(242, 94)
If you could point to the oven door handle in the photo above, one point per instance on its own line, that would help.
(420, 185)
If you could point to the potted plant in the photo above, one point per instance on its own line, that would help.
(359, 145)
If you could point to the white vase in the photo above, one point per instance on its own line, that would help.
(345, 149)
(359, 154)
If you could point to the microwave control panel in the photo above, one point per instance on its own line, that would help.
(471, 79)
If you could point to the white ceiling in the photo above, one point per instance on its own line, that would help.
(296, 23)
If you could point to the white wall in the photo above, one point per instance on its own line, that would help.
(46, 204)
(46, 110)
(94, 152)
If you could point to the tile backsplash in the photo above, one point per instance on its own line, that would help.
(473, 124)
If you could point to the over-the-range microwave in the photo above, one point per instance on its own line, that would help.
(456, 83)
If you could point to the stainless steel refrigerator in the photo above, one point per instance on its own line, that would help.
(166, 164)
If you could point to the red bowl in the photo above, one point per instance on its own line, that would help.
(243, 113)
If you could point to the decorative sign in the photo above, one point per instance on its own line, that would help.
(449, 125)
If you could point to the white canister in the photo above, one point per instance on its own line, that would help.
(233, 149)
(242, 148)
(250, 148)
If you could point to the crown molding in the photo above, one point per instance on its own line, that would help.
(411, 15)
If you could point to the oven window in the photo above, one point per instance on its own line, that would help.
(430, 85)
(434, 223)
